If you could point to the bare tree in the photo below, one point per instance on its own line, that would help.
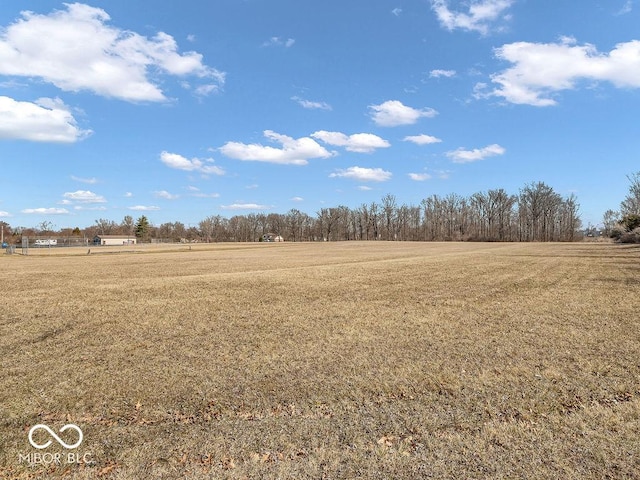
(207, 228)
(374, 219)
(537, 207)
(262, 223)
(355, 225)
(128, 225)
(343, 227)
(293, 222)
(276, 223)
(389, 210)
(503, 204)
(631, 203)
(568, 221)
(329, 221)
(433, 218)
(106, 227)
(609, 220)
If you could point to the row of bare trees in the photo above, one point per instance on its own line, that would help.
(536, 213)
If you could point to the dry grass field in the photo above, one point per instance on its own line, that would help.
(327, 360)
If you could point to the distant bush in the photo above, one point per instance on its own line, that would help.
(631, 222)
(630, 237)
(617, 231)
(627, 230)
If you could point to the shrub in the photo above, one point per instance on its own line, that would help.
(631, 222)
(631, 237)
(617, 232)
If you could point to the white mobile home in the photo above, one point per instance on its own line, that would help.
(114, 240)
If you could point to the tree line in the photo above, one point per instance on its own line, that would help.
(536, 213)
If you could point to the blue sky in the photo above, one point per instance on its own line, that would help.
(181, 110)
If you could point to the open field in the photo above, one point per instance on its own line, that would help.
(326, 360)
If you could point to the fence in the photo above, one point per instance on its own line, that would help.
(52, 242)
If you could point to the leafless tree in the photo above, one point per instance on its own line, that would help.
(207, 228)
(374, 219)
(537, 206)
(171, 231)
(331, 223)
(106, 227)
(128, 225)
(276, 223)
(631, 203)
(433, 218)
(609, 220)
(389, 210)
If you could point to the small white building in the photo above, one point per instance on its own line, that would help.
(114, 240)
(272, 237)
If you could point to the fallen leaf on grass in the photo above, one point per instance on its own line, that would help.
(107, 470)
(386, 441)
(228, 463)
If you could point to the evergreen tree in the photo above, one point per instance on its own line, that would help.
(142, 228)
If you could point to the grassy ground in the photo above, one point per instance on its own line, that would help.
(346, 360)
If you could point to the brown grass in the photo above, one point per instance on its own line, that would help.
(346, 360)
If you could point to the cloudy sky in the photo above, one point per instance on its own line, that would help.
(181, 110)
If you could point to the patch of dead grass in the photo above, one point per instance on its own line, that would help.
(348, 360)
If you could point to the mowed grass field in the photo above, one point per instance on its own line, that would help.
(326, 360)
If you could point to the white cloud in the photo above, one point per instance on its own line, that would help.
(480, 16)
(112, 62)
(45, 120)
(396, 11)
(358, 142)
(422, 139)
(311, 105)
(84, 196)
(4, 214)
(442, 73)
(626, 8)
(46, 211)
(93, 209)
(297, 199)
(166, 195)
(363, 174)
(279, 42)
(174, 160)
(128, 195)
(206, 89)
(144, 208)
(420, 177)
(293, 151)
(205, 195)
(393, 113)
(195, 192)
(467, 156)
(364, 188)
(541, 69)
(90, 181)
(245, 206)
